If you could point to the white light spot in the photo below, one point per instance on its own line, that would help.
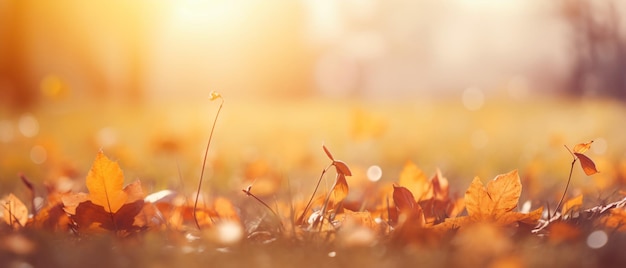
(229, 232)
(38, 154)
(6, 131)
(597, 239)
(473, 98)
(479, 139)
(526, 207)
(374, 173)
(332, 254)
(28, 125)
(162, 195)
(106, 137)
(191, 237)
(599, 146)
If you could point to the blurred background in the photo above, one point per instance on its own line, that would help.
(474, 87)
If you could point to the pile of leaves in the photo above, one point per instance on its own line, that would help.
(414, 214)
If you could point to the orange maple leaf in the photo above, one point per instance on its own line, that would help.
(500, 196)
(495, 203)
(108, 206)
(414, 179)
(105, 183)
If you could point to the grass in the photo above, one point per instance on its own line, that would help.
(162, 144)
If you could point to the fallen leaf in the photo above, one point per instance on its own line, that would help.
(415, 181)
(496, 202)
(500, 196)
(573, 203)
(440, 186)
(409, 212)
(15, 213)
(105, 183)
(616, 219)
(561, 232)
(403, 198)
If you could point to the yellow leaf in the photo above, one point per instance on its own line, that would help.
(575, 202)
(500, 196)
(415, 181)
(581, 148)
(105, 183)
(214, 95)
(15, 213)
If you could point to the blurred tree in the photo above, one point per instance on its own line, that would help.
(100, 49)
(12, 68)
(598, 47)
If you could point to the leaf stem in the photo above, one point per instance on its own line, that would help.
(206, 153)
(569, 178)
(248, 193)
(299, 220)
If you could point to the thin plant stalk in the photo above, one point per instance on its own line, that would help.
(206, 153)
(569, 178)
(306, 208)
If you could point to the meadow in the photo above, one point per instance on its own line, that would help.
(273, 148)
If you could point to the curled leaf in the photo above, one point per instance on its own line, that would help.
(342, 167)
(587, 164)
(215, 95)
(403, 198)
(340, 189)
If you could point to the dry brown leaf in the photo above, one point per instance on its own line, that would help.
(339, 191)
(328, 153)
(561, 232)
(440, 186)
(342, 167)
(587, 164)
(616, 220)
(403, 198)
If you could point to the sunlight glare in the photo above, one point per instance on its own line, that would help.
(28, 125)
(374, 173)
(599, 146)
(597, 239)
(38, 154)
(473, 98)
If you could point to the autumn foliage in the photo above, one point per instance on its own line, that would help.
(414, 210)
